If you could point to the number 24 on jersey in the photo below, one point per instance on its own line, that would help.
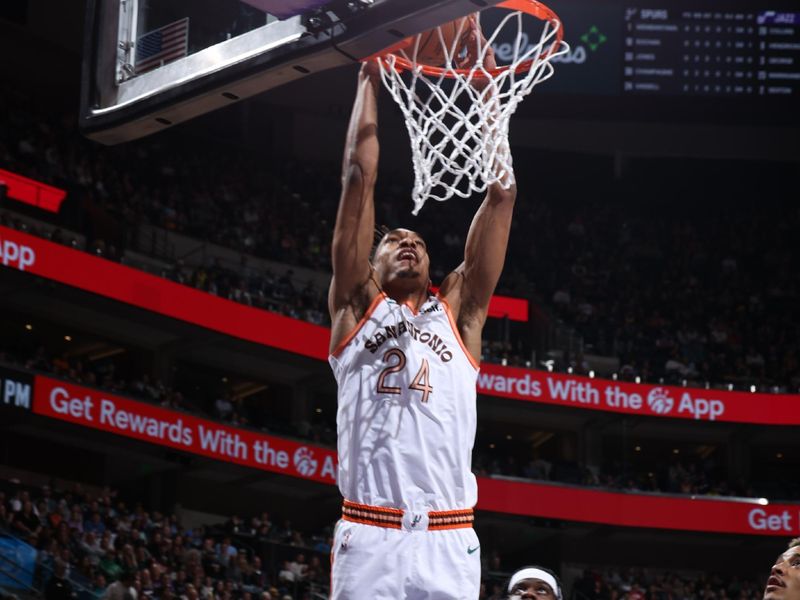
(396, 359)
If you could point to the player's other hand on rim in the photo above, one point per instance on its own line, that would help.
(371, 68)
(476, 51)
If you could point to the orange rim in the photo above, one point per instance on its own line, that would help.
(531, 7)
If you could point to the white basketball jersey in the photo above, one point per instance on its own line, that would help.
(407, 409)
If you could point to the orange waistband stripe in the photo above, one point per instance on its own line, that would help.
(392, 518)
(372, 515)
(451, 519)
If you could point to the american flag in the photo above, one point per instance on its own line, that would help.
(162, 45)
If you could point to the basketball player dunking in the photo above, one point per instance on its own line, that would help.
(406, 365)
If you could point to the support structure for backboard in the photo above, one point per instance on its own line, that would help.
(115, 109)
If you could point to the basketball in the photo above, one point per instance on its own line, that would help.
(431, 51)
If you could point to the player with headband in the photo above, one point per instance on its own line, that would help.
(534, 582)
(406, 364)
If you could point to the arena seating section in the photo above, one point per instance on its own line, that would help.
(664, 287)
(98, 535)
(663, 284)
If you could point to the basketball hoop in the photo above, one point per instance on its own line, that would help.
(457, 118)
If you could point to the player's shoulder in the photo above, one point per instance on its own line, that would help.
(455, 292)
(467, 313)
(349, 310)
(452, 287)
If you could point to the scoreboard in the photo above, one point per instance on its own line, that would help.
(711, 52)
(720, 50)
(722, 61)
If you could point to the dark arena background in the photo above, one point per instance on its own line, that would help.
(165, 404)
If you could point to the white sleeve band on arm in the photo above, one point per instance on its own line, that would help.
(533, 573)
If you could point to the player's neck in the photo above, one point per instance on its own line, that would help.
(413, 298)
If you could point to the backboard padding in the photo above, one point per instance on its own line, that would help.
(116, 107)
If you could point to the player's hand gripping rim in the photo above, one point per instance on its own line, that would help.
(476, 52)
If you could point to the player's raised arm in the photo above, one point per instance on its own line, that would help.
(487, 241)
(470, 287)
(355, 220)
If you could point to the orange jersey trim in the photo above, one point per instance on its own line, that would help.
(454, 327)
(353, 332)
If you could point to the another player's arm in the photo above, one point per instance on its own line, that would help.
(353, 234)
(470, 287)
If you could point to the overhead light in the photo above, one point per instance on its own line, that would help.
(508, 436)
(753, 388)
(638, 379)
(638, 448)
(591, 374)
(491, 446)
(68, 338)
(763, 501)
(224, 380)
(28, 326)
(319, 411)
(779, 455)
(676, 451)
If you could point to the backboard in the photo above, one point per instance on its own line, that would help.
(150, 64)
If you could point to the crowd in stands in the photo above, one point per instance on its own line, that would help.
(92, 539)
(688, 475)
(94, 545)
(284, 293)
(646, 584)
(262, 289)
(681, 287)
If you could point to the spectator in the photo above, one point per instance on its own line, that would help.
(25, 523)
(122, 588)
(59, 587)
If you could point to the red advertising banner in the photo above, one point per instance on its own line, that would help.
(96, 409)
(78, 269)
(638, 510)
(132, 286)
(32, 192)
(638, 399)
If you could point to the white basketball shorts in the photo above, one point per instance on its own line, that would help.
(382, 562)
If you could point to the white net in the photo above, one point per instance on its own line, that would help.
(458, 118)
